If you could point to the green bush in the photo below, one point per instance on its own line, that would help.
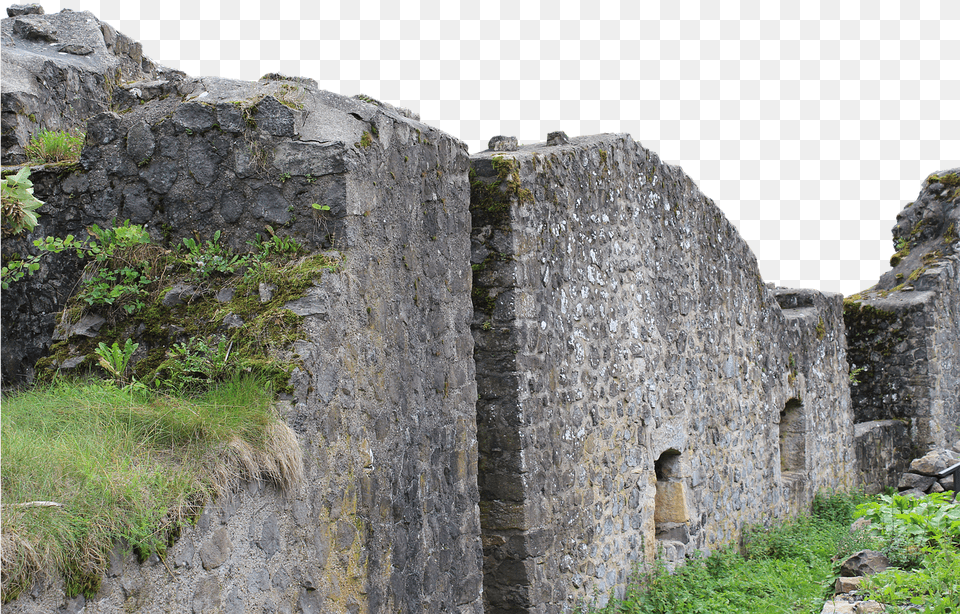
(907, 528)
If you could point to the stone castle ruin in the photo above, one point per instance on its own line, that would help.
(537, 367)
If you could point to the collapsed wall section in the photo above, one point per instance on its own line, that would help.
(633, 370)
(384, 397)
(903, 337)
(58, 71)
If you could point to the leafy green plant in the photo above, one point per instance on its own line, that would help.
(115, 359)
(54, 146)
(18, 203)
(114, 279)
(117, 277)
(211, 258)
(319, 207)
(906, 527)
(18, 268)
(275, 245)
(933, 586)
(125, 288)
(196, 364)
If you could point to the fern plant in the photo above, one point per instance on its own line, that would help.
(115, 359)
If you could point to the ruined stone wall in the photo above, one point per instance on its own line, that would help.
(906, 342)
(903, 332)
(384, 402)
(633, 372)
(884, 450)
(814, 426)
(58, 70)
(640, 389)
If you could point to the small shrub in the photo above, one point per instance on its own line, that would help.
(196, 365)
(54, 146)
(118, 276)
(907, 528)
(211, 258)
(837, 507)
(19, 205)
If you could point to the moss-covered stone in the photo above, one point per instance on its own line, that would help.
(262, 343)
(490, 201)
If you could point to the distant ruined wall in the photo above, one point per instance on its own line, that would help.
(903, 335)
(906, 342)
(384, 403)
(815, 343)
(634, 373)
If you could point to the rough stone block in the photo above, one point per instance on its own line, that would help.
(847, 584)
(216, 550)
(671, 503)
(913, 480)
(865, 562)
(933, 462)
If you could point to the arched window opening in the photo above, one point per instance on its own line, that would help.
(793, 456)
(671, 515)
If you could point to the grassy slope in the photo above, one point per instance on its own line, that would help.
(124, 464)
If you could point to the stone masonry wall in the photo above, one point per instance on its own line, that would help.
(906, 342)
(627, 385)
(815, 341)
(188, 157)
(59, 70)
(633, 370)
(384, 406)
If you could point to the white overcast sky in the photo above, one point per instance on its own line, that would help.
(811, 124)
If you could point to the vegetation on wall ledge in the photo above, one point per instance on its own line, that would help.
(490, 200)
(196, 344)
(54, 146)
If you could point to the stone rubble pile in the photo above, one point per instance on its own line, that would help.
(926, 474)
(846, 599)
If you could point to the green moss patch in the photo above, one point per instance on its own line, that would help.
(217, 339)
(490, 200)
(947, 179)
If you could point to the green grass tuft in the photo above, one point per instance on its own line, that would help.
(54, 146)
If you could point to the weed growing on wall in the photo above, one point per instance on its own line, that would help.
(119, 276)
(115, 359)
(210, 258)
(129, 278)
